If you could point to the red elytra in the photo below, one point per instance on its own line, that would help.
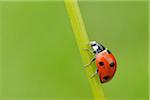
(106, 65)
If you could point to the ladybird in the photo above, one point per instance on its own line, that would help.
(105, 62)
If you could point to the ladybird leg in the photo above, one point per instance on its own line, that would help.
(90, 62)
(88, 50)
(95, 73)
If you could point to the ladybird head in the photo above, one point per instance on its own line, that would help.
(96, 47)
(92, 43)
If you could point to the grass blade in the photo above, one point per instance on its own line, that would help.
(82, 42)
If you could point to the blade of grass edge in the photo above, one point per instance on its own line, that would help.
(82, 42)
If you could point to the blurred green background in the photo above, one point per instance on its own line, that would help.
(40, 58)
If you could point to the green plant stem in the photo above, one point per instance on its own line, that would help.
(83, 42)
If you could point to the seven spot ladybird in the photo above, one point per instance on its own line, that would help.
(105, 62)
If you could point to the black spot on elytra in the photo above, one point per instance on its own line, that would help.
(112, 64)
(101, 63)
(106, 77)
(108, 52)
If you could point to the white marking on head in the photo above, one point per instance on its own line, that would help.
(93, 42)
(95, 48)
